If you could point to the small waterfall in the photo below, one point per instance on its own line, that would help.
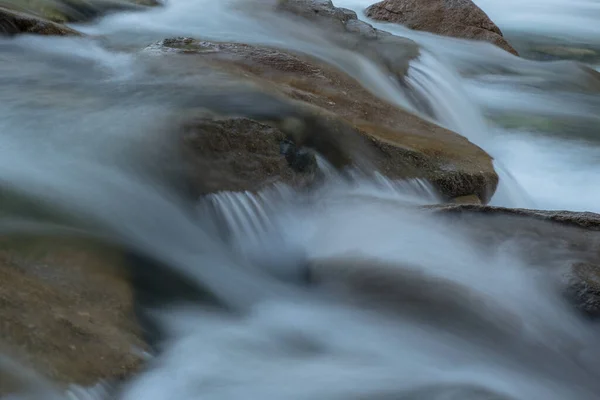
(451, 105)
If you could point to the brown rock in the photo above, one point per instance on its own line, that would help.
(64, 313)
(348, 116)
(13, 23)
(455, 18)
(240, 154)
(469, 199)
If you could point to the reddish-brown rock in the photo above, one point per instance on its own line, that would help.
(456, 18)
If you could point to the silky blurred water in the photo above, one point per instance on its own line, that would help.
(81, 120)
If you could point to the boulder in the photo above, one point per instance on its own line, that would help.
(238, 154)
(14, 22)
(337, 117)
(66, 312)
(455, 18)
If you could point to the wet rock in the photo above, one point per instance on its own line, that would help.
(411, 292)
(337, 117)
(585, 220)
(63, 11)
(65, 314)
(14, 22)
(584, 288)
(317, 11)
(326, 15)
(343, 28)
(241, 154)
(559, 243)
(469, 199)
(547, 53)
(362, 28)
(538, 47)
(455, 18)
(300, 160)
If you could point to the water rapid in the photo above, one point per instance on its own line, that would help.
(82, 123)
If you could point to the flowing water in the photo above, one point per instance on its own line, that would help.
(82, 122)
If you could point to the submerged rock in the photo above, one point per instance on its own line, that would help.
(14, 22)
(455, 18)
(338, 118)
(563, 243)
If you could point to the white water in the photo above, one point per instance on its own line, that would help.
(486, 321)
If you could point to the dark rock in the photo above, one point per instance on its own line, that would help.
(349, 15)
(362, 28)
(300, 160)
(13, 23)
(563, 243)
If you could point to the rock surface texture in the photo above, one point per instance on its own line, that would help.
(455, 18)
(15, 22)
(347, 122)
(64, 314)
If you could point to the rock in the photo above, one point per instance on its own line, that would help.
(240, 154)
(361, 28)
(63, 11)
(469, 199)
(585, 220)
(343, 28)
(564, 247)
(317, 10)
(411, 292)
(338, 118)
(455, 18)
(13, 23)
(325, 14)
(65, 314)
(560, 242)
